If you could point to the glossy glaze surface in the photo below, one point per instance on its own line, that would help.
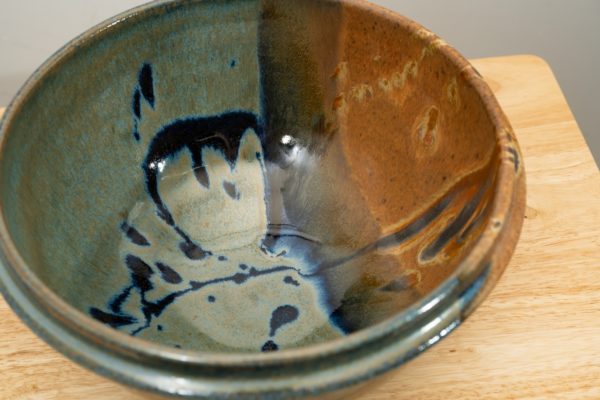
(256, 176)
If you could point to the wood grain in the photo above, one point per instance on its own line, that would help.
(538, 334)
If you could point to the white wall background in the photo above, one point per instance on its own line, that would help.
(566, 33)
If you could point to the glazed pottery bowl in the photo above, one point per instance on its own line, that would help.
(253, 198)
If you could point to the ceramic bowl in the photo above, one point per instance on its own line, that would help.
(244, 198)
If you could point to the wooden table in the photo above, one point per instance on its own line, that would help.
(538, 334)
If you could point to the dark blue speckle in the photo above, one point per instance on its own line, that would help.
(281, 316)
(243, 267)
(233, 63)
(291, 281)
(211, 299)
(269, 346)
(159, 327)
(222, 258)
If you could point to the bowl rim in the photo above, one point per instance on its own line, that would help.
(106, 337)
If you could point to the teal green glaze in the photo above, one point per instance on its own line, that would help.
(198, 199)
(85, 139)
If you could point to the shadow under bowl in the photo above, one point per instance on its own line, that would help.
(295, 195)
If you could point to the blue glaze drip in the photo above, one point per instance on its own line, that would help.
(134, 235)
(140, 273)
(113, 320)
(146, 83)
(193, 251)
(231, 189)
(117, 303)
(169, 274)
(136, 133)
(222, 132)
(339, 319)
(456, 226)
(135, 105)
(145, 89)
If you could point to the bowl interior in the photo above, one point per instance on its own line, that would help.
(246, 176)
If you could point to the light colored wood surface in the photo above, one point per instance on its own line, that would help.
(538, 334)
